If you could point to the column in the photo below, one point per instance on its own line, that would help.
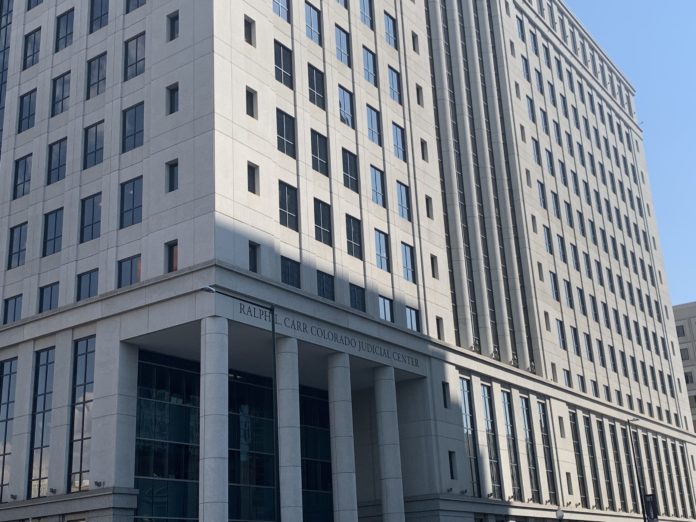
(345, 498)
(214, 411)
(391, 484)
(21, 425)
(289, 446)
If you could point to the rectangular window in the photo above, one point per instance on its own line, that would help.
(343, 46)
(133, 127)
(96, 76)
(87, 284)
(48, 297)
(282, 9)
(13, 309)
(131, 5)
(366, 13)
(90, 218)
(378, 195)
(287, 205)
(251, 103)
(81, 419)
(53, 232)
(134, 57)
(386, 309)
(403, 197)
(286, 133)
(249, 31)
(546, 447)
(290, 272)
(8, 377)
(374, 126)
(131, 211)
(173, 98)
(64, 30)
(253, 178)
(172, 169)
(412, 319)
(370, 66)
(57, 160)
(382, 250)
(394, 85)
(98, 14)
(32, 46)
(41, 422)
(390, 31)
(171, 252)
(18, 246)
(399, 138)
(313, 23)
(317, 88)
(27, 111)
(320, 153)
(22, 177)
(173, 26)
(254, 249)
(322, 222)
(345, 106)
(357, 297)
(492, 439)
(325, 285)
(31, 4)
(409, 262)
(128, 271)
(283, 64)
(60, 94)
(354, 236)
(350, 170)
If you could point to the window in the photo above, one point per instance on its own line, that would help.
(429, 207)
(399, 137)
(134, 57)
(325, 285)
(253, 178)
(345, 106)
(131, 5)
(378, 195)
(171, 252)
(403, 197)
(173, 98)
(87, 284)
(12, 310)
(48, 297)
(414, 42)
(98, 14)
(22, 177)
(254, 249)
(27, 111)
(249, 31)
(290, 272)
(386, 309)
(322, 222)
(286, 133)
(313, 23)
(90, 218)
(343, 46)
(412, 319)
(8, 378)
(357, 297)
(128, 271)
(282, 9)
(434, 269)
(64, 30)
(18, 246)
(133, 127)
(680, 330)
(316, 86)
(390, 31)
(283, 64)
(173, 26)
(131, 202)
(350, 170)
(81, 418)
(57, 154)
(251, 103)
(32, 46)
(288, 205)
(366, 13)
(172, 170)
(96, 76)
(354, 236)
(60, 94)
(53, 232)
(394, 85)
(320, 153)
(41, 422)
(370, 66)
(382, 250)
(409, 261)
(374, 126)
(31, 4)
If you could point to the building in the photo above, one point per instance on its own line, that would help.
(400, 255)
(685, 319)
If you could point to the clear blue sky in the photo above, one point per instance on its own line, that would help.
(654, 44)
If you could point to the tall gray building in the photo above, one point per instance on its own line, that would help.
(328, 260)
(685, 319)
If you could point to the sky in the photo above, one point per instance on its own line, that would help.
(654, 45)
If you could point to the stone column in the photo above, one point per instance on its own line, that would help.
(289, 446)
(214, 411)
(391, 483)
(345, 499)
